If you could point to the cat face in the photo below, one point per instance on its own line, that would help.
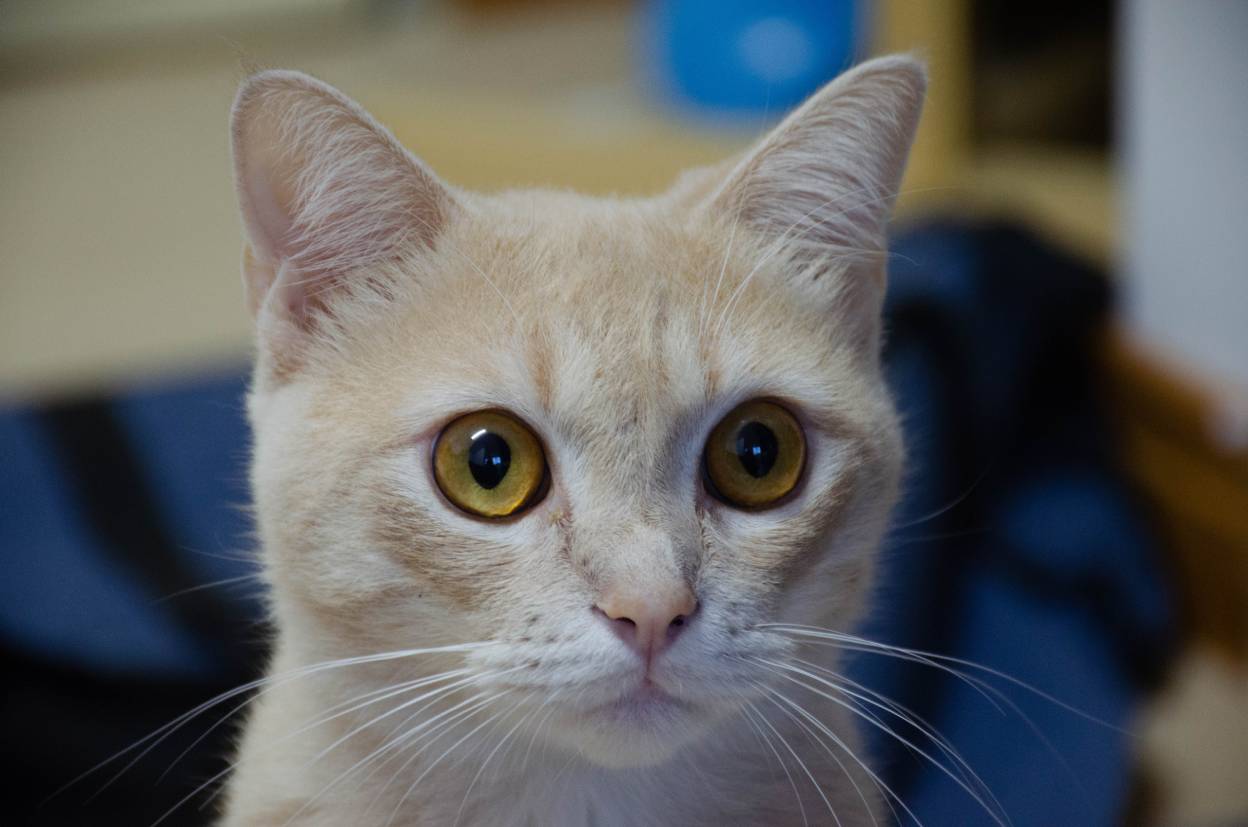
(606, 439)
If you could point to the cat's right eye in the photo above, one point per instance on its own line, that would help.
(490, 464)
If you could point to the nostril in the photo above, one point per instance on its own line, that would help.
(682, 619)
(619, 622)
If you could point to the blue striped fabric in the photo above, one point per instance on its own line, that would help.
(1018, 546)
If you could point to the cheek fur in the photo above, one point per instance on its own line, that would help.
(780, 548)
(463, 571)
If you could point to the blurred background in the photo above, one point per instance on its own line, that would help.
(1069, 344)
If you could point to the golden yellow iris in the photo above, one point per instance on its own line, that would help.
(755, 455)
(489, 464)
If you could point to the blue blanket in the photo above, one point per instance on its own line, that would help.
(1018, 547)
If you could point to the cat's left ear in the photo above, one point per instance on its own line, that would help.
(821, 185)
(325, 192)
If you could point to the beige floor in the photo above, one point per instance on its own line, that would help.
(119, 242)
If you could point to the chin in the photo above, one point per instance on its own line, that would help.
(643, 728)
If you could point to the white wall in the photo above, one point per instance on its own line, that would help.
(1184, 131)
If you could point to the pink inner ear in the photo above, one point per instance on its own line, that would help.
(268, 209)
(268, 213)
(297, 291)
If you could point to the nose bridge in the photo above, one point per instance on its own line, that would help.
(626, 526)
(636, 554)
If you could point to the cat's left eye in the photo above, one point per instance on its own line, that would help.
(490, 464)
(755, 455)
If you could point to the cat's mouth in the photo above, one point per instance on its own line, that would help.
(640, 726)
(643, 701)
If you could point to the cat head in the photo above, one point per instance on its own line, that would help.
(608, 439)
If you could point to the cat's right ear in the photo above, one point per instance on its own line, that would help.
(820, 187)
(325, 192)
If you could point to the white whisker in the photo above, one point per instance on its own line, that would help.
(999, 818)
(265, 684)
(383, 694)
(234, 765)
(467, 792)
(524, 762)
(442, 757)
(227, 581)
(811, 733)
(881, 701)
(945, 509)
(750, 711)
(429, 698)
(723, 268)
(446, 722)
(879, 782)
(853, 643)
(937, 660)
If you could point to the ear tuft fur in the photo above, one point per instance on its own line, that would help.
(825, 180)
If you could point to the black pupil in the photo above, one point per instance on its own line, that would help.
(488, 459)
(757, 449)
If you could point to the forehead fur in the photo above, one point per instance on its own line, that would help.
(629, 303)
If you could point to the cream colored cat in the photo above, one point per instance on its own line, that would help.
(535, 473)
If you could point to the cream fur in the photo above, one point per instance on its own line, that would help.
(387, 303)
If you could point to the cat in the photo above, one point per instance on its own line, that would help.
(549, 487)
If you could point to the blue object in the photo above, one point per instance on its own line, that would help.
(737, 57)
(1018, 546)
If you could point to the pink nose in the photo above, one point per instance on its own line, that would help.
(648, 622)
